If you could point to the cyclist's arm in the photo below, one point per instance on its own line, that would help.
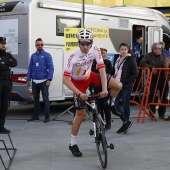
(102, 71)
(67, 73)
(103, 80)
(70, 85)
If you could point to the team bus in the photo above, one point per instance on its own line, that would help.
(23, 21)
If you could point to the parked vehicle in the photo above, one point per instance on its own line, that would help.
(27, 20)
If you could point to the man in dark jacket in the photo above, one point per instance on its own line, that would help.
(41, 71)
(6, 62)
(156, 59)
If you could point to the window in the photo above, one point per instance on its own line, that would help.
(62, 22)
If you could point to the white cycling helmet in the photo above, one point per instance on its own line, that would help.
(85, 34)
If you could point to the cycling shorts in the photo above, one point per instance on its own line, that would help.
(83, 85)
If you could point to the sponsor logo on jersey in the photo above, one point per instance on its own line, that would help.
(82, 59)
(69, 60)
(84, 63)
(98, 50)
(81, 56)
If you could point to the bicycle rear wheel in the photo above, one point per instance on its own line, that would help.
(101, 143)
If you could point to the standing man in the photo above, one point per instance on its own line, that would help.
(156, 59)
(6, 62)
(41, 71)
(137, 48)
(78, 76)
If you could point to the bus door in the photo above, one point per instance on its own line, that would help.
(56, 89)
(139, 30)
(154, 35)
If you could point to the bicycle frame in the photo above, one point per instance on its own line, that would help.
(99, 132)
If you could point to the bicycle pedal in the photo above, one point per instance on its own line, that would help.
(91, 132)
(111, 146)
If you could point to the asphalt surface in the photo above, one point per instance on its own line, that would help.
(43, 146)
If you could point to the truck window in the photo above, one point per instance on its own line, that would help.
(63, 22)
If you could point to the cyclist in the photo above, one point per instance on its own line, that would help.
(78, 76)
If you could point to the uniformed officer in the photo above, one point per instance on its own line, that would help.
(6, 62)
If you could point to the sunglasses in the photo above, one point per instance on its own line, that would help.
(40, 45)
(85, 44)
(158, 48)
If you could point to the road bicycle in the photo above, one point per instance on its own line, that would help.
(99, 130)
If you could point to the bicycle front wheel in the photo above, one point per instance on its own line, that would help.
(101, 143)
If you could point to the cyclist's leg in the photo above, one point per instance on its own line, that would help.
(79, 105)
(115, 86)
(80, 115)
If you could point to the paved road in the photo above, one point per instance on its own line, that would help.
(45, 146)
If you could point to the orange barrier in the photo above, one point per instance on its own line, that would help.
(145, 105)
(140, 90)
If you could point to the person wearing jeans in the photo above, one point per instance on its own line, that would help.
(40, 71)
(125, 94)
(45, 94)
(125, 72)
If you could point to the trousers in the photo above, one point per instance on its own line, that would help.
(5, 93)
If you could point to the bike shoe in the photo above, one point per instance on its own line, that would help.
(75, 150)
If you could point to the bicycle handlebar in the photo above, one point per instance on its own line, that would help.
(94, 96)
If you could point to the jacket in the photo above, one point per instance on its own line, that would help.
(129, 72)
(9, 61)
(157, 61)
(108, 66)
(40, 66)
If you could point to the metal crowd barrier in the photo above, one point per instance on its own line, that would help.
(7, 149)
(157, 99)
(140, 90)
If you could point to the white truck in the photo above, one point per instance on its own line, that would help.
(23, 21)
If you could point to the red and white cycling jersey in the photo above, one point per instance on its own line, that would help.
(79, 64)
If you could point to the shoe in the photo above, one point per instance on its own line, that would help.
(33, 118)
(127, 126)
(3, 130)
(167, 119)
(162, 117)
(122, 129)
(46, 120)
(75, 150)
(107, 126)
(114, 110)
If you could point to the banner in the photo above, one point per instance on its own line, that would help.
(70, 36)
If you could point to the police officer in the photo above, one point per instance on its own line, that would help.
(6, 62)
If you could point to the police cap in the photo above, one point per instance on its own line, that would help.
(2, 40)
